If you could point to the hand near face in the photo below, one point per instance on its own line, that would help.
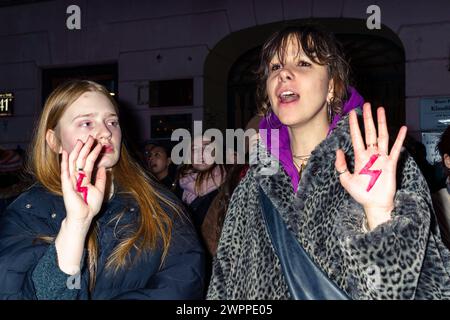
(82, 199)
(373, 182)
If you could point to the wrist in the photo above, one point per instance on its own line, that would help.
(69, 245)
(377, 215)
(76, 226)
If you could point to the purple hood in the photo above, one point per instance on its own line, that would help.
(285, 155)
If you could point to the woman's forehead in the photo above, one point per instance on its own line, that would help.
(91, 102)
(291, 46)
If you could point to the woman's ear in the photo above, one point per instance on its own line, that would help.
(447, 160)
(330, 94)
(53, 141)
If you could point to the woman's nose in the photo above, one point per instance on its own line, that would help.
(104, 132)
(286, 74)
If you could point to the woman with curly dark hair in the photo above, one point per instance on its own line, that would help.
(325, 213)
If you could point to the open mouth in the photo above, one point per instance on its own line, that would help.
(288, 96)
(107, 149)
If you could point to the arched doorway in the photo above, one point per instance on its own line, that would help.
(378, 71)
(242, 89)
(376, 57)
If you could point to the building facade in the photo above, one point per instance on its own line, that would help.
(208, 44)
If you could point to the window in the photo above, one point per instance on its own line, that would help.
(162, 126)
(168, 93)
(105, 75)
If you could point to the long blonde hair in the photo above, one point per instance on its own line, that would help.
(154, 224)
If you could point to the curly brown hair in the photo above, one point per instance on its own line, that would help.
(320, 46)
(443, 145)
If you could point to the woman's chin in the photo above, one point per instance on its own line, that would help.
(288, 120)
(286, 116)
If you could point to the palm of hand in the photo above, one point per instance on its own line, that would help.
(371, 192)
(82, 199)
(74, 201)
(360, 187)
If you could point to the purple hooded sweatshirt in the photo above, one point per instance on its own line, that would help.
(285, 155)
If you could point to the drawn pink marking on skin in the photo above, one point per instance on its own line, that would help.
(374, 174)
(81, 189)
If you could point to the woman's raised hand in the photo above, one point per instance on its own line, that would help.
(82, 199)
(373, 182)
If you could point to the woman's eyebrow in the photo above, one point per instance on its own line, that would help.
(84, 116)
(87, 115)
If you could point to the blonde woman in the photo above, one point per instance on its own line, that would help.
(94, 226)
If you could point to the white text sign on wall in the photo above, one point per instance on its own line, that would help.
(434, 113)
(6, 104)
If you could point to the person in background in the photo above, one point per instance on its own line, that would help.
(199, 181)
(211, 228)
(198, 184)
(441, 198)
(159, 164)
(418, 152)
(144, 153)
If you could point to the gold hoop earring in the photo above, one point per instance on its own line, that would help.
(329, 111)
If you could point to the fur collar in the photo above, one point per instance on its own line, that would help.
(319, 174)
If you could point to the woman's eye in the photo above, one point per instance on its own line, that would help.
(86, 124)
(275, 67)
(114, 123)
(304, 64)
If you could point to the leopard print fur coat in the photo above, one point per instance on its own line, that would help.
(400, 259)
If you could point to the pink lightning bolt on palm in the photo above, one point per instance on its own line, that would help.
(374, 174)
(81, 189)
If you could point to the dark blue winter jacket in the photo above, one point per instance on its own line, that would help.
(29, 269)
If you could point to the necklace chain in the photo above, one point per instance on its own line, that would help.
(302, 165)
(302, 158)
(302, 162)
